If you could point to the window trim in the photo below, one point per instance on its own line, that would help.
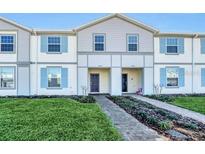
(127, 42)
(15, 43)
(56, 52)
(95, 34)
(60, 67)
(14, 77)
(169, 67)
(166, 45)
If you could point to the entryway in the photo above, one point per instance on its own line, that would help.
(94, 83)
(124, 82)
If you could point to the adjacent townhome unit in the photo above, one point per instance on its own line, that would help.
(112, 55)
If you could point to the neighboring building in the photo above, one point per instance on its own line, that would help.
(114, 55)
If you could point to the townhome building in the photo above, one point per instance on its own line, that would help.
(112, 55)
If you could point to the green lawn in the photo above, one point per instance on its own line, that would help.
(53, 119)
(192, 103)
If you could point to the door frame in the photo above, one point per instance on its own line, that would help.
(98, 82)
(127, 82)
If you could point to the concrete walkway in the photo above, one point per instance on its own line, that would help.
(179, 110)
(130, 128)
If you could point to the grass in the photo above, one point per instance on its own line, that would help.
(53, 119)
(193, 103)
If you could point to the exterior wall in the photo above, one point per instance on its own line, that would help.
(198, 56)
(116, 31)
(148, 82)
(23, 41)
(104, 77)
(116, 81)
(197, 86)
(173, 58)
(10, 92)
(171, 90)
(72, 82)
(82, 81)
(134, 77)
(23, 83)
(37, 55)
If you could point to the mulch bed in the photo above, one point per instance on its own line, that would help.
(165, 122)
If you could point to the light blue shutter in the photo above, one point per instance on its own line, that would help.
(162, 77)
(0, 42)
(202, 45)
(163, 47)
(181, 77)
(14, 41)
(44, 43)
(64, 44)
(44, 79)
(180, 45)
(203, 77)
(64, 77)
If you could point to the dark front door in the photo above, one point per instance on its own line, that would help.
(94, 82)
(124, 82)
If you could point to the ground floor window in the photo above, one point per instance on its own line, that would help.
(172, 76)
(7, 77)
(54, 77)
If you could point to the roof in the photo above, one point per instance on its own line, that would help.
(54, 31)
(123, 17)
(175, 34)
(15, 24)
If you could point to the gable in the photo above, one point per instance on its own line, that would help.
(121, 17)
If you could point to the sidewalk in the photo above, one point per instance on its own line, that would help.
(130, 128)
(176, 109)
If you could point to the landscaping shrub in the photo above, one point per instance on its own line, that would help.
(159, 119)
(165, 125)
(163, 98)
(84, 99)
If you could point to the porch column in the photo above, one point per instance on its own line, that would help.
(148, 80)
(83, 81)
(116, 83)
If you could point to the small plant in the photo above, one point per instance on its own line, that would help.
(84, 99)
(161, 112)
(153, 121)
(165, 125)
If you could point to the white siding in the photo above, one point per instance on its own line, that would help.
(132, 61)
(197, 88)
(116, 81)
(175, 58)
(198, 57)
(82, 80)
(180, 90)
(69, 56)
(10, 92)
(148, 81)
(72, 81)
(116, 31)
(99, 61)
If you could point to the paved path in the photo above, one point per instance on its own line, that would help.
(179, 110)
(130, 128)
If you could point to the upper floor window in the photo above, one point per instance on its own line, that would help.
(99, 42)
(54, 77)
(7, 43)
(172, 76)
(132, 41)
(6, 77)
(54, 44)
(172, 45)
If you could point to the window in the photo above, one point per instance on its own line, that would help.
(172, 76)
(172, 45)
(7, 43)
(54, 77)
(7, 77)
(54, 44)
(132, 42)
(99, 42)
